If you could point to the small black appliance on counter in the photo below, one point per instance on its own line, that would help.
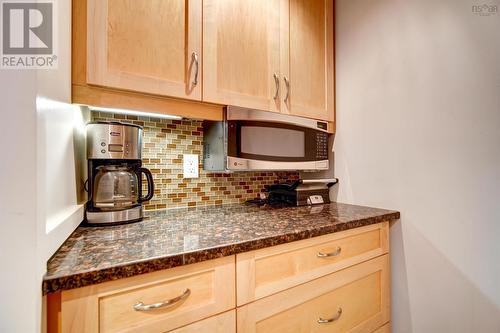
(298, 193)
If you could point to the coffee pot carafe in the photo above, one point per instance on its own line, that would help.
(117, 187)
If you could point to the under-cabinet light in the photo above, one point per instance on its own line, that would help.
(134, 113)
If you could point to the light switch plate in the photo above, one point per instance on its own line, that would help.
(190, 162)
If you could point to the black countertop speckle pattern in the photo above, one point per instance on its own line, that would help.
(176, 237)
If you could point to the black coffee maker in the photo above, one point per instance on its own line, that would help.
(115, 172)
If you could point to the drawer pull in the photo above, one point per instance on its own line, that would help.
(287, 84)
(147, 307)
(277, 84)
(330, 320)
(331, 254)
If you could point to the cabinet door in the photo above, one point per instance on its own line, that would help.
(196, 291)
(241, 52)
(148, 46)
(384, 329)
(223, 323)
(264, 272)
(354, 300)
(307, 60)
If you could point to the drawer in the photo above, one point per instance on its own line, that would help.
(196, 292)
(264, 272)
(353, 300)
(223, 323)
(384, 329)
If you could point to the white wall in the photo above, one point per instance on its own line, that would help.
(418, 106)
(41, 139)
(18, 290)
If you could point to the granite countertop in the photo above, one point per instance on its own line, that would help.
(176, 237)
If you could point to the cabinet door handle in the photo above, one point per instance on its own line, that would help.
(287, 84)
(277, 83)
(139, 306)
(194, 58)
(331, 320)
(331, 254)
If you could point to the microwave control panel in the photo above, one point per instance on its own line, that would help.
(321, 146)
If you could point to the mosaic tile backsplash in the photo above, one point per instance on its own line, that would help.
(165, 141)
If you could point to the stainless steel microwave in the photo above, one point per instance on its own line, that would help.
(249, 140)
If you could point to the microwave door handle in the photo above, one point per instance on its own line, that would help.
(236, 113)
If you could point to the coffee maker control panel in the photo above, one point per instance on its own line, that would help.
(113, 141)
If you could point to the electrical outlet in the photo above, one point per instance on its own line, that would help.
(190, 162)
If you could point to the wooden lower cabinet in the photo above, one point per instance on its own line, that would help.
(223, 323)
(264, 272)
(288, 288)
(356, 299)
(203, 290)
(384, 329)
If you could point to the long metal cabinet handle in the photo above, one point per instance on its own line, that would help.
(194, 58)
(330, 320)
(331, 254)
(140, 306)
(287, 84)
(277, 83)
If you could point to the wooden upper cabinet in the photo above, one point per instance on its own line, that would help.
(148, 46)
(241, 51)
(167, 56)
(251, 48)
(307, 60)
